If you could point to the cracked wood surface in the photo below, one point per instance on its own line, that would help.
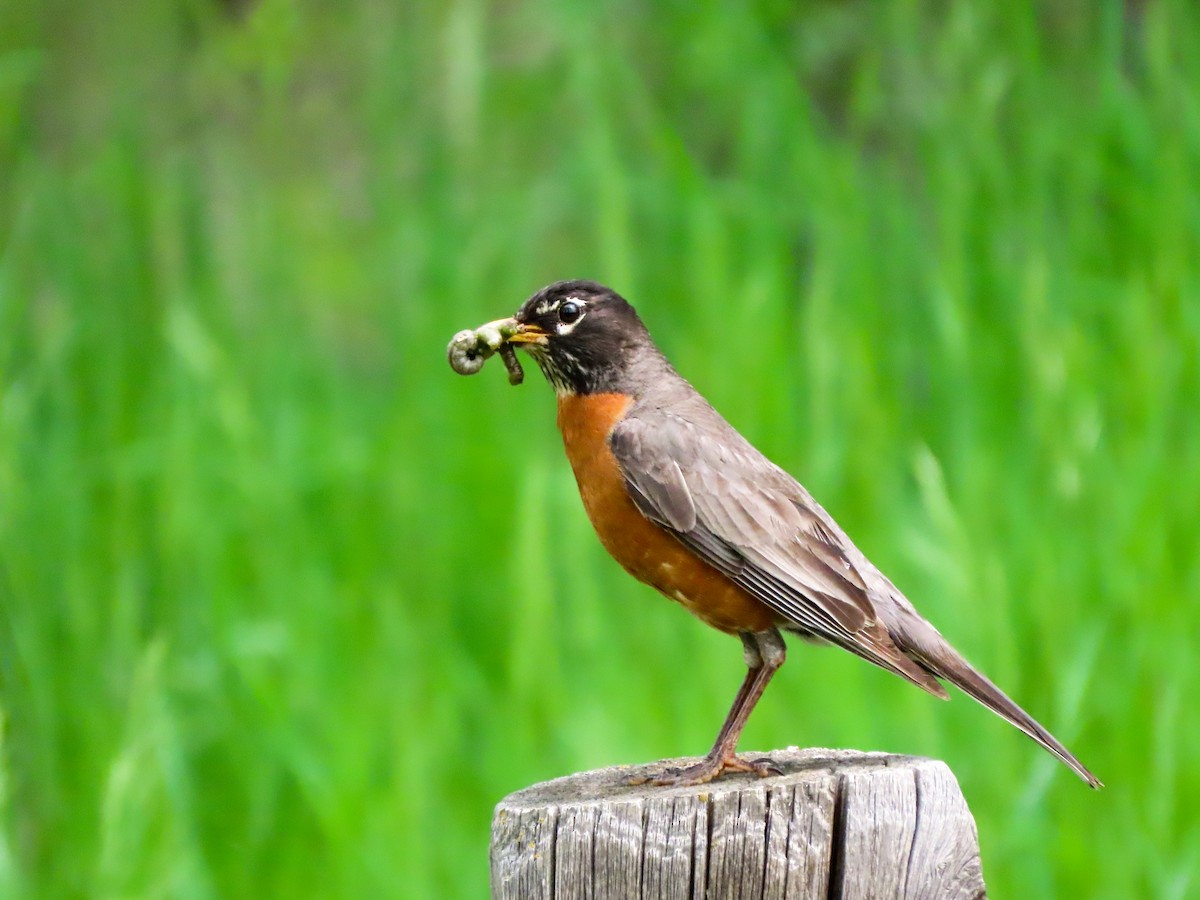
(836, 823)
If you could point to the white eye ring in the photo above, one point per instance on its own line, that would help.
(579, 308)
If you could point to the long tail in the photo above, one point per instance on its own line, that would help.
(946, 663)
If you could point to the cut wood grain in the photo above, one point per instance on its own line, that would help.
(836, 823)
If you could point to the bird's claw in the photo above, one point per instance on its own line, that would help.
(706, 770)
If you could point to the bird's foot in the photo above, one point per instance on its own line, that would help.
(706, 770)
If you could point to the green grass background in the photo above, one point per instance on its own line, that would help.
(286, 606)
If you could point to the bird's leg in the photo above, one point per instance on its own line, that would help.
(765, 653)
(754, 668)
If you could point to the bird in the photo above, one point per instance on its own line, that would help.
(689, 506)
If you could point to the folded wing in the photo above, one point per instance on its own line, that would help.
(759, 527)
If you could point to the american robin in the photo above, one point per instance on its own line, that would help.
(688, 506)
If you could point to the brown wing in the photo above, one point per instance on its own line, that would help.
(757, 525)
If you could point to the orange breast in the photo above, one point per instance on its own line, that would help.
(647, 551)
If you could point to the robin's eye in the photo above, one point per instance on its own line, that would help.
(569, 312)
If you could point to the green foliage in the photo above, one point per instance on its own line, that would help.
(259, 633)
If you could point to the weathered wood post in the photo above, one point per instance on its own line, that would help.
(836, 823)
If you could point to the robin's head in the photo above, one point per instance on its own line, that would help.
(583, 336)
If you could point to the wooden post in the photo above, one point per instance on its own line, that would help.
(836, 823)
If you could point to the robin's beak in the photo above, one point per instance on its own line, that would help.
(526, 334)
(495, 334)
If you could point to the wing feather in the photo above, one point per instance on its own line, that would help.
(758, 526)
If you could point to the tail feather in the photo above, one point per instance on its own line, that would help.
(948, 664)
